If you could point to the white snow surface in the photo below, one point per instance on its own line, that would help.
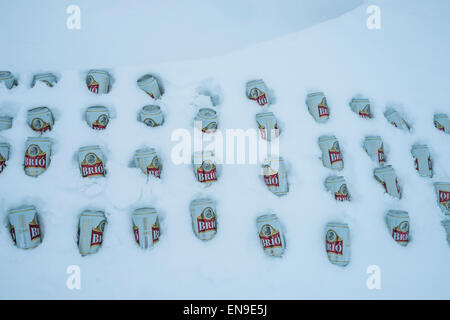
(404, 63)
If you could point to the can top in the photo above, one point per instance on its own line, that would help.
(255, 82)
(325, 138)
(38, 76)
(359, 100)
(38, 139)
(151, 109)
(93, 213)
(398, 214)
(201, 202)
(264, 114)
(98, 71)
(142, 211)
(390, 111)
(97, 109)
(5, 118)
(335, 179)
(383, 169)
(4, 144)
(5, 75)
(203, 154)
(24, 208)
(207, 113)
(145, 80)
(445, 184)
(38, 111)
(90, 148)
(440, 116)
(266, 218)
(419, 146)
(314, 94)
(145, 152)
(367, 138)
(341, 225)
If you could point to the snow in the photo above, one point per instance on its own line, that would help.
(405, 64)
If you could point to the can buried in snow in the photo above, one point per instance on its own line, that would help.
(267, 125)
(8, 79)
(331, 152)
(97, 117)
(443, 195)
(90, 231)
(24, 227)
(151, 115)
(337, 243)
(394, 118)
(40, 119)
(90, 160)
(442, 122)
(338, 187)
(422, 160)
(5, 122)
(203, 213)
(446, 225)
(317, 106)
(48, 79)
(146, 227)
(204, 167)
(361, 107)
(4, 155)
(98, 81)
(257, 91)
(37, 156)
(271, 235)
(208, 119)
(388, 179)
(398, 224)
(147, 160)
(275, 176)
(373, 145)
(150, 86)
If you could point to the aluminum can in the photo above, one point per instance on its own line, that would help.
(8, 79)
(208, 119)
(204, 167)
(203, 213)
(257, 91)
(441, 122)
(275, 176)
(318, 107)
(4, 155)
(331, 152)
(388, 179)
(337, 243)
(147, 160)
(98, 81)
(271, 235)
(361, 107)
(48, 79)
(443, 196)
(151, 115)
(267, 125)
(90, 160)
(338, 187)
(146, 227)
(97, 117)
(398, 224)
(394, 118)
(5, 122)
(446, 225)
(40, 119)
(90, 231)
(422, 160)
(37, 156)
(150, 86)
(24, 227)
(374, 149)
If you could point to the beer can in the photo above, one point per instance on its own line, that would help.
(257, 91)
(5, 122)
(48, 79)
(271, 235)
(422, 160)
(394, 118)
(361, 107)
(150, 86)
(373, 145)
(90, 159)
(90, 231)
(146, 227)
(398, 224)
(151, 115)
(8, 79)
(446, 225)
(147, 160)
(203, 213)
(267, 125)
(337, 243)
(388, 179)
(338, 187)
(331, 152)
(442, 122)
(318, 107)
(443, 196)
(98, 81)
(204, 167)
(4, 155)
(208, 119)
(275, 176)
(97, 117)
(37, 156)
(40, 119)
(24, 227)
